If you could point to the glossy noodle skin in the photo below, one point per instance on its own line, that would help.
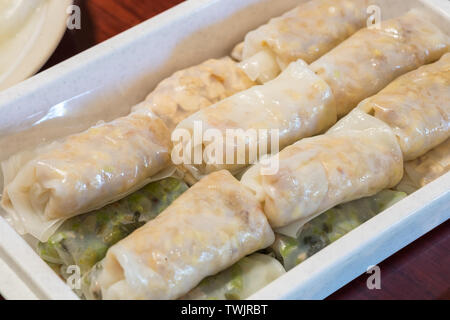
(239, 281)
(84, 171)
(308, 31)
(207, 229)
(84, 240)
(331, 225)
(196, 88)
(101, 165)
(425, 169)
(417, 108)
(357, 158)
(297, 103)
(370, 59)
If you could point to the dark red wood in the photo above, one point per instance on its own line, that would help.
(103, 19)
(419, 271)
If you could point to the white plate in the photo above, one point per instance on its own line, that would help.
(23, 54)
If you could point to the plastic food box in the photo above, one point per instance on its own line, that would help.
(102, 83)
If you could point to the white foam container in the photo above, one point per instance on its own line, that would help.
(102, 83)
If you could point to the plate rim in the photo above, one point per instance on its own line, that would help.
(45, 43)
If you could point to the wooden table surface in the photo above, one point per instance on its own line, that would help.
(419, 271)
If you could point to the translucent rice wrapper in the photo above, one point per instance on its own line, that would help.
(88, 170)
(83, 240)
(195, 88)
(330, 226)
(84, 172)
(261, 67)
(425, 169)
(306, 32)
(210, 227)
(369, 60)
(417, 108)
(356, 158)
(296, 104)
(237, 53)
(239, 281)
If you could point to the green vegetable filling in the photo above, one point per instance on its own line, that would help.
(330, 226)
(84, 240)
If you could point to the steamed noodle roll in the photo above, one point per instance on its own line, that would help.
(293, 248)
(83, 240)
(356, 158)
(425, 169)
(370, 59)
(305, 32)
(297, 104)
(207, 229)
(195, 88)
(417, 108)
(84, 172)
(239, 281)
(88, 170)
(354, 70)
